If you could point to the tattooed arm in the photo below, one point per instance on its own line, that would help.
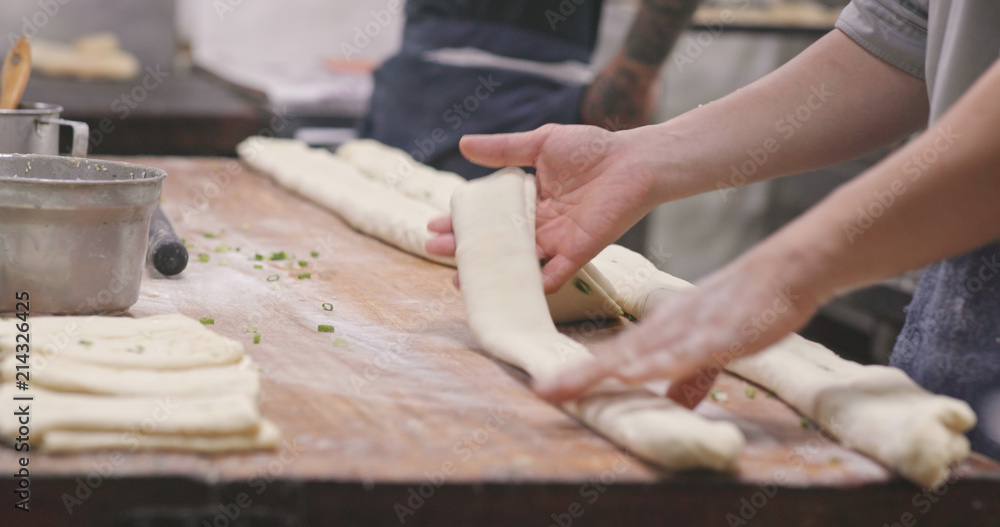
(623, 96)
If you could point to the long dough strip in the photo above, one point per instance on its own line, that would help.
(265, 436)
(876, 410)
(502, 288)
(397, 210)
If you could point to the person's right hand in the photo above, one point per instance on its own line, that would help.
(592, 186)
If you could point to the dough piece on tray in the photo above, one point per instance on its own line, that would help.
(366, 205)
(396, 169)
(205, 415)
(158, 342)
(265, 436)
(876, 410)
(66, 375)
(502, 288)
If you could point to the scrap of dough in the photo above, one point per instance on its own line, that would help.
(586, 296)
(397, 169)
(366, 205)
(266, 436)
(876, 410)
(66, 375)
(203, 415)
(96, 56)
(502, 288)
(159, 342)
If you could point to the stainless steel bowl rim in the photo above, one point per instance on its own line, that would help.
(154, 175)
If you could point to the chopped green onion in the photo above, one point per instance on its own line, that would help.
(258, 256)
(339, 342)
(584, 287)
(750, 392)
(209, 235)
(771, 394)
(718, 396)
(834, 460)
(251, 329)
(314, 254)
(272, 278)
(223, 248)
(86, 343)
(258, 266)
(203, 257)
(188, 245)
(206, 320)
(303, 276)
(327, 306)
(256, 338)
(278, 256)
(323, 328)
(804, 423)
(303, 263)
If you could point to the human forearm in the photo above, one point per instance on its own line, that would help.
(619, 97)
(937, 197)
(832, 103)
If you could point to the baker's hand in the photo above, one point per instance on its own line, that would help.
(592, 186)
(691, 337)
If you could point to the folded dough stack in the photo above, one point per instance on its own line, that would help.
(158, 383)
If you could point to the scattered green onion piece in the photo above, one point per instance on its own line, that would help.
(303, 276)
(718, 396)
(209, 235)
(834, 460)
(323, 328)
(258, 266)
(278, 256)
(272, 278)
(327, 306)
(258, 256)
(223, 248)
(251, 329)
(203, 257)
(804, 423)
(584, 287)
(206, 320)
(314, 254)
(303, 263)
(86, 343)
(256, 338)
(750, 392)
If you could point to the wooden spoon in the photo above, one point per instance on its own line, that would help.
(14, 78)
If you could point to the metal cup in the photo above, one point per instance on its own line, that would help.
(33, 128)
(73, 232)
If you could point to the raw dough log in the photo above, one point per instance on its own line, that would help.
(502, 288)
(366, 205)
(66, 375)
(266, 436)
(159, 342)
(392, 212)
(396, 169)
(96, 56)
(208, 415)
(876, 410)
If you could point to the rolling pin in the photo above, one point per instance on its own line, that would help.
(168, 254)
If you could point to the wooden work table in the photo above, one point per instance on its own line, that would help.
(410, 405)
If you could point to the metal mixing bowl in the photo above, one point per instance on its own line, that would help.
(73, 232)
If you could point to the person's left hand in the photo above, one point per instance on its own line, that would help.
(691, 337)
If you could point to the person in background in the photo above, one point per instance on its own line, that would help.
(490, 66)
(890, 68)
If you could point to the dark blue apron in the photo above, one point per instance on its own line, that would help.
(951, 341)
(425, 108)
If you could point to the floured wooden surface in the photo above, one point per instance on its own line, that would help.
(409, 394)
